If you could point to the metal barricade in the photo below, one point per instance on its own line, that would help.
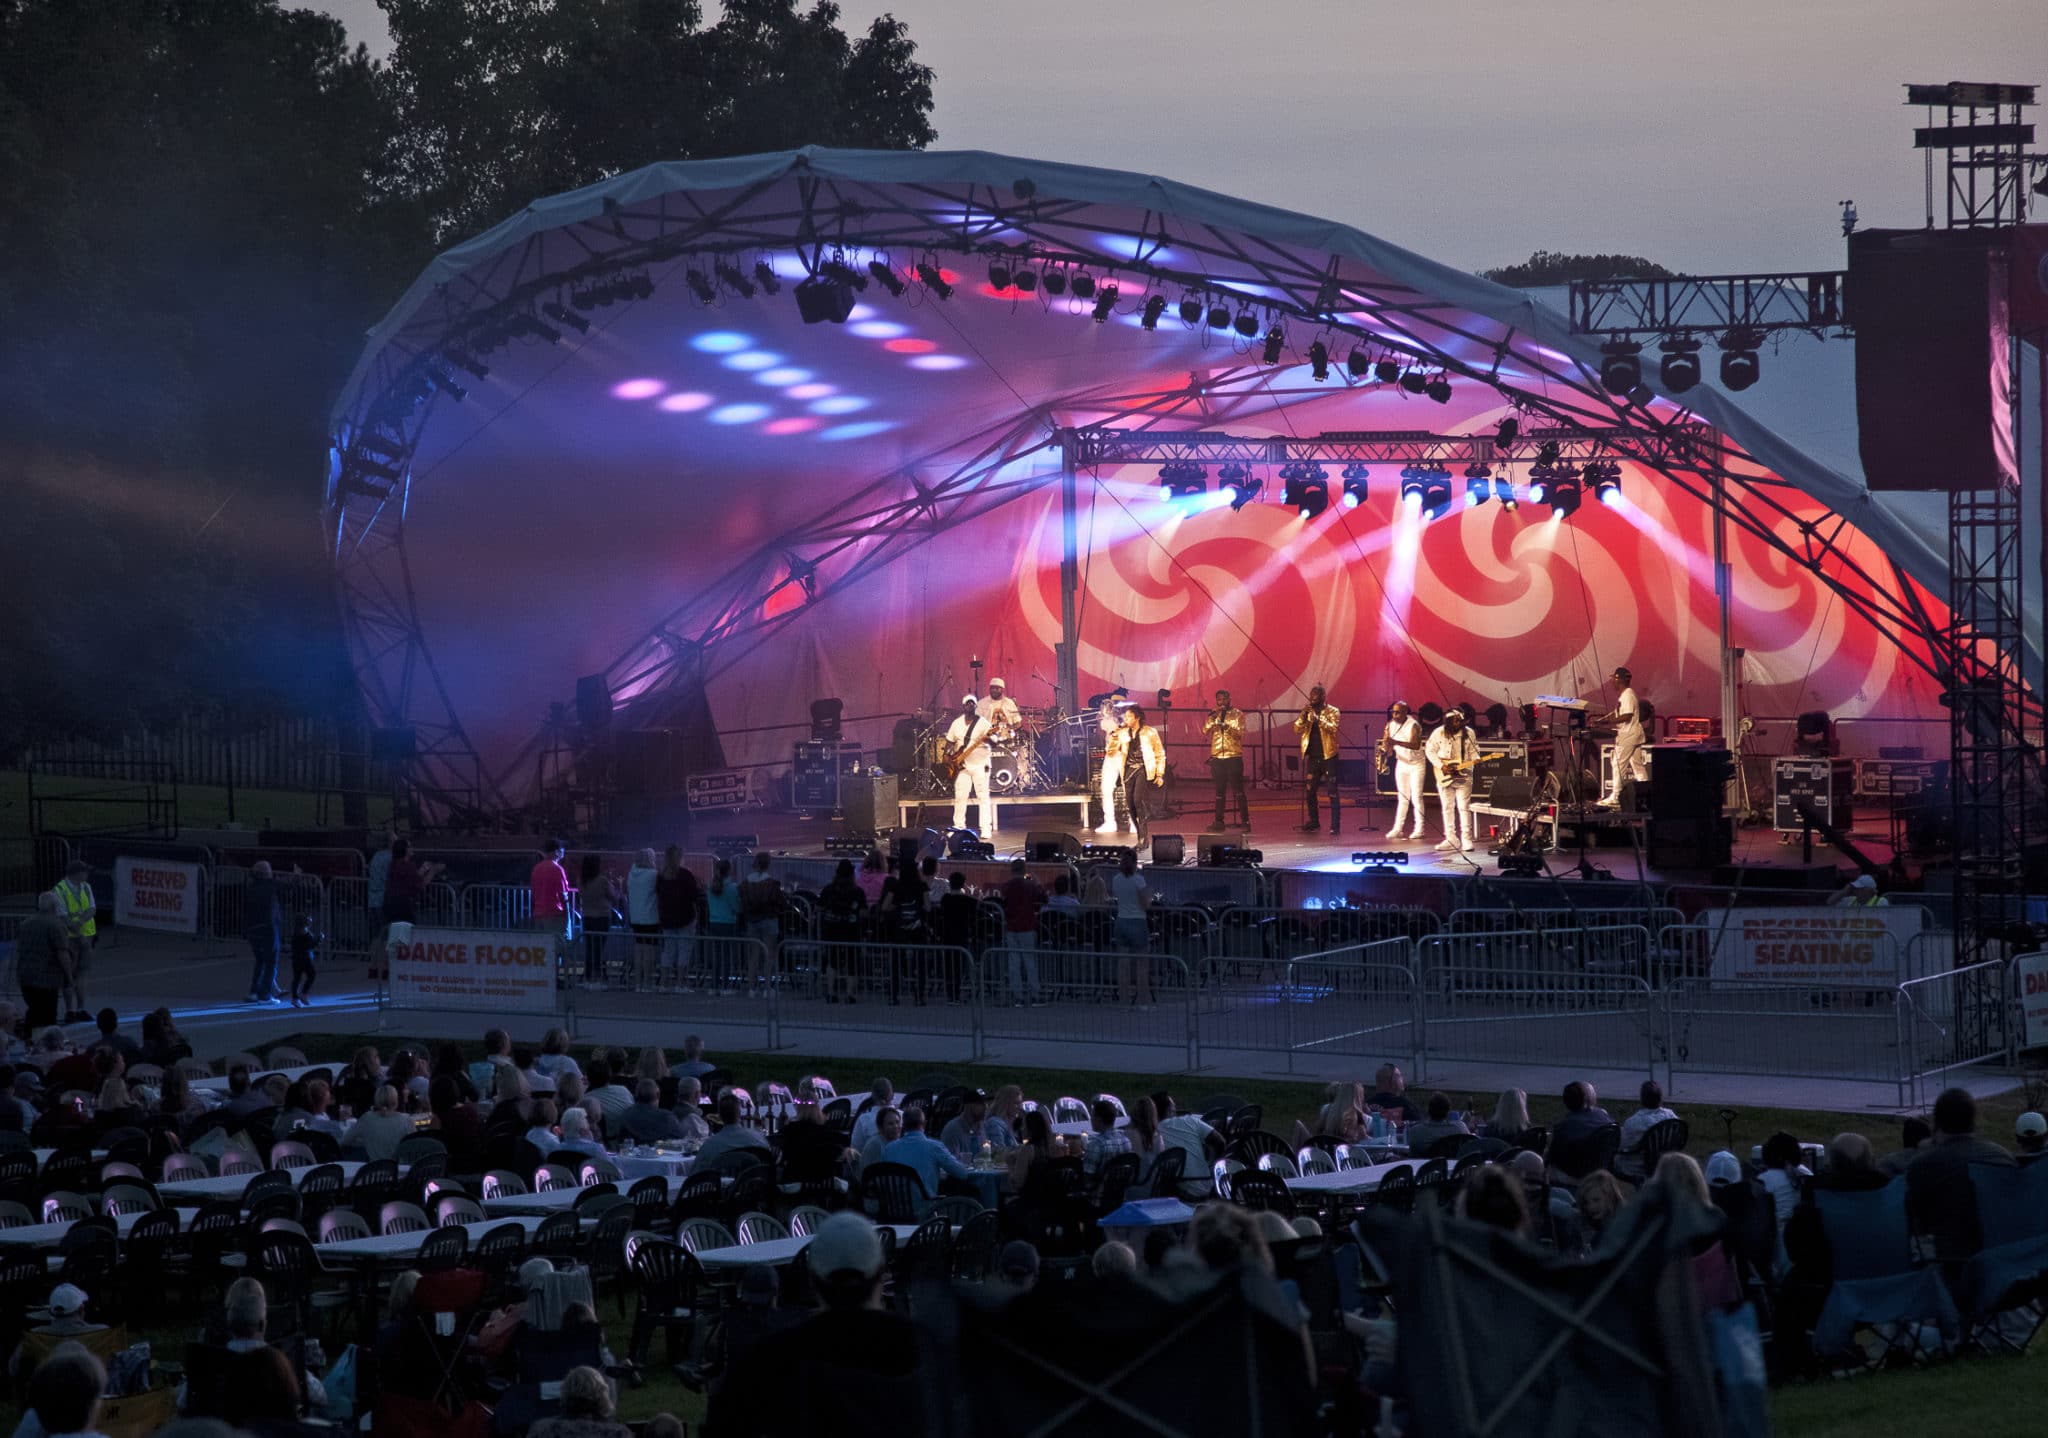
(1536, 1017)
(350, 924)
(1357, 1000)
(227, 913)
(1190, 884)
(1949, 1021)
(495, 906)
(710, 979)
(1478, 962)
(1577, 916)
(1929, 952)
(880, 988)
(1793, 1029)
(1272, 936)
(1087, 997)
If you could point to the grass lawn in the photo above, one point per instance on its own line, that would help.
(1987, 1398)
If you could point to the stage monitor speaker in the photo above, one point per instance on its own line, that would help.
(1695, 843)
(1049, 846)
(1207, 844)
(1688, 782)
(1169, 849)
(1933, 382)
(1512, 791)
(593, 703)
(869, 803)
(394, 746)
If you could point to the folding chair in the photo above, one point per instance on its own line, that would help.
(1876, 1285)
(446, 1310)
(2002, 1288)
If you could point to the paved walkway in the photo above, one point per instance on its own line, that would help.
(202, 980)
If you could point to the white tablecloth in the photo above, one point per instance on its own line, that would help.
(774, 1251)
(1348, 1180)
(231, 1185)
(404, 1245)
(49, 1235)
(555, 1200)
(292, 1075)
(649, 1163)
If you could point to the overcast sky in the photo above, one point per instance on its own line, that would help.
(1711, 137)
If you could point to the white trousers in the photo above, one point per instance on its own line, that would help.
(1112, 785)
(1629, 762)
(1456, 795)
(1408, 800)
(973, 779)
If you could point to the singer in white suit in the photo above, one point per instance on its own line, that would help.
(967, 741)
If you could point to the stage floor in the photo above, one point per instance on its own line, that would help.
(1275, 832)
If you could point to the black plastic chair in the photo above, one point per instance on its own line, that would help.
(975, 1246)
(1396, 1190)
(666, 1281)
(556, 1237)
(1169, 1171)
(1669, 1135)
(1257, 1189)
(896, 1190)
(1115, 1180)
(925, 1257)
(445, 1248)
(1579, 1157)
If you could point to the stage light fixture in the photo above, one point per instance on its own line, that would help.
(1355, 492)
(1504, 491)
(1243, 485)
(820, 301)
(766, 278)
(1386, 370)
(1411, 483)
(471, 363)
(567, 317)
(1548, 453)
(1606, 481)
(545, 331)
(1564, 497)
(1190, 310)
(1319, 360)
(1438, 387)
(1507, 431)
(1055, 281)
(1540, 477)
(1182, 479)
(1084, 286)
(885, 272)
(999, 274)
(841, 273)
(1246, 324)
(1105, 301)
(1274, 340)
(733, 280)
(934, 280)
(1155, 306)
(1219, 316)
(636, 286)
(1358, 363)
(1436, 494)
(1621, 366)
(445, 382)
(1026, 280)
(1413, 380)
(701, 287)
(1478, 485)
(1739, 365)
(1679, 370)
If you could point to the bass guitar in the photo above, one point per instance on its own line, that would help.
(949, 766)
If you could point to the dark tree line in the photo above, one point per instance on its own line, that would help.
(1549, 267)
(202, 209)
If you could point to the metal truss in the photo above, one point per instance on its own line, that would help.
(1984, 138)
(1098, 446)
(1813, 301)
(1309, 293)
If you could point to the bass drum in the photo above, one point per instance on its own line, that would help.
(1006, 771)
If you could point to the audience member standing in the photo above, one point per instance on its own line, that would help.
(549, 887)
(42, 950)
(262, 922)
(675, 903)
(595, 897)
(1022, 898)
(761, 913)
(643, 912)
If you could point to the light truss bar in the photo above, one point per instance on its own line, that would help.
(1809, 300)
(1689, 445)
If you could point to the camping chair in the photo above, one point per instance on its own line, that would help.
(447, 1307)
(1875, 1285)
(2001, 1287)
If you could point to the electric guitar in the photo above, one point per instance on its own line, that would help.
(950, 766)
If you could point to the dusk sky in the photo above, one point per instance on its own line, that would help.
(1711, 137)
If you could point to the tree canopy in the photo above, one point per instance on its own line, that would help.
(1549, 267)
(203, 208)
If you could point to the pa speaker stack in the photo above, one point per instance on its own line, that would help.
(1686, 828)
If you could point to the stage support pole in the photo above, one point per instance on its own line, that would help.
(1731, 657)
(1070, 577)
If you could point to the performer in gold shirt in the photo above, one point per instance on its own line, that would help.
(1317, 726)
(1225, 728)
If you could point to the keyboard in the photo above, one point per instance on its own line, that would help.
(1563, 701)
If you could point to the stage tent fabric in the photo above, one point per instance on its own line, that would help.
(698, 464)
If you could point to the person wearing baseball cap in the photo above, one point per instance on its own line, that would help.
(972, 1127)
(67, 1320)
(846, 1369)
(2030, 1137)
(967, 745)
(1017, 1266)
(1860, 893)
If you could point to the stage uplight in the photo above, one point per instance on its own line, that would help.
(1319, 360)
(1084, 286)
(1274, 340)
(1386, 371)
(1739, 365)
(1243, 485)
(1219, 316)
(1105, 301)
(1355, 492)
(1438, 387)
(1190, 310)
(934, 279)
(1246, 324)
(1358, 363)
(1155, 306)
(1055, 281)
(1621, 366)
(1679, 370)
(1504, 491)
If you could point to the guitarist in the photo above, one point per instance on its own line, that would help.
(1453, 752)
(967, 755)
(1401, 745)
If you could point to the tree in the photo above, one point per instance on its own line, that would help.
(1548, 267)
(502, 102)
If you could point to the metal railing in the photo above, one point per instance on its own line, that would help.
(1268, 936)
(1357, 1001)
(1480, 962)
(720, 979)
(226, 903)
(1781, 1027)
(1097, 998)
(1541, 1016)
(1952, 1020)
(929, 989)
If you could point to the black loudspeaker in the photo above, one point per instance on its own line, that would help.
(903, 746)
(1512, 791)
(394, 746)
(1169, 849)
(1206, 843)
(869, 803)
(1687, 782)
(1049, 846)
(1696, 843)
(593, 703)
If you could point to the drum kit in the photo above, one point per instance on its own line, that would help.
(1029, 759)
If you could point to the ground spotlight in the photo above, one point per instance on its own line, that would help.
(1739, 365)
(1358, 363)
(934, 280)
(567, 317)
(1679, 370)
(1155, 306)
(768, 280)
(885, 272)
(1241, 482)
(1621, 366)
(1438, 387)
(1219, 316)
(1105, 300)
(1274, 340)
(1319, 360)
(1055, 282)
(999, 274)
(1084, 286)
(1190, 310)
(1504, 491)
(702, 288)
(1355, 492)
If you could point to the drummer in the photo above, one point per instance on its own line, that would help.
(1006, 721)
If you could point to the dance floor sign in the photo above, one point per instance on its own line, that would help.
(473, 969)
(1812, 945)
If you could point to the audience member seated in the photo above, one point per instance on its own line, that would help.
(758, 1319)
(2030, 1136)
(1850, 1168)
(1424, 1133)
(1105, 1139)
(1191, 1134)
(1017, 1267)
(612, 1098)
(542, 1135)
(67, 1320)
(1600, 1198)
(379, 1132)
(1914, 1133)
(457, 1120)
(1115, 1262)
(646, 1121)
(1784, 1174)
(1941, 1199)
(110, 1036)
(577, 1135)
(1390, 1094)
(63, 1395)
(1493, 1196)
(811, 1152)
(586, 1409)
(881, 1093)
(887, 1128)
(1583, 1116)
(1650, 1112)
(974, 1126)
(690, 1110)
(920, 1152)
(851, 1371)
(264, 1398)
(729, 1147)
(553, 1059)
(1554, 1206)
(448, 1061)
(694, 1064)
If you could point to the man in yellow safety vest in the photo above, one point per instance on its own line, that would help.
(74, 894)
